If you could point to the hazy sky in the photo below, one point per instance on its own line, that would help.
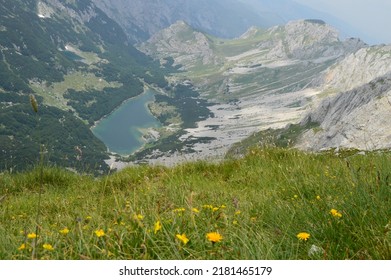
(372, 17)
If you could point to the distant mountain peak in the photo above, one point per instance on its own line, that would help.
(182, 42)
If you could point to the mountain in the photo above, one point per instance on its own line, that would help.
(79, 65)
(222, 18)
(143, 18)
(79, 59)
(352, 111)
(356, 119)
(296, 85)
(359, 115)
(266, 78)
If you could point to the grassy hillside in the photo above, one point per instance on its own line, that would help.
(262, 206)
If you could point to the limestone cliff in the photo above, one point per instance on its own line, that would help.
(359, 118)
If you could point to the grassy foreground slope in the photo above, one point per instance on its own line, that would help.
(258, 205)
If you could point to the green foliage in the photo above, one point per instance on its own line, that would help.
(191, 109)
(59, 131)
(32, 50)
(285, 137)
(259, 204)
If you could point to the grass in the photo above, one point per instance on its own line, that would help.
(54, 94)
(258, 205)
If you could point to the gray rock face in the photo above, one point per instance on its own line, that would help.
(308, 39)
(181, 42)
(357, 69)
(359, 118)
(302, 40)
(357, 112)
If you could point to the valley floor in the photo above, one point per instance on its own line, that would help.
(233, 122)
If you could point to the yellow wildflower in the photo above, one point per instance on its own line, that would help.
(22, 247)
(179, 209)
(214, 209)
(214, 237)
(157, 227)
(100, 233)
(48, 247)
(64, 231)
(183, 238)
(138, 217)
(303, 236)
(31, 236)
(318, 197)
(335, 213)
(238, 212)
(195, 210)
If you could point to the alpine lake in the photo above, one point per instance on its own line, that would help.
(123, 129)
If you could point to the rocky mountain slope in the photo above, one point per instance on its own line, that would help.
(352, 110)
(266, 78)
(358, 115)
(359, 119)
(183, 43)
(357, 69)
(335, 91)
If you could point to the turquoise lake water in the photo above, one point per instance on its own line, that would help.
(120, 131)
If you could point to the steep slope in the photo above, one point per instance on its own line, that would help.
(357, 69)
(359, 119)
(79, 64)
(353, 109)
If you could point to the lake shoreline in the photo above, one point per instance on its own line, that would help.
(134, 119)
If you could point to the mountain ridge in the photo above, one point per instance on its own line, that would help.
(220, 18)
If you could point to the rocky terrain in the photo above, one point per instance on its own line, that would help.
(357, 69)
(359, 119)
(265, 78)
(180, 41)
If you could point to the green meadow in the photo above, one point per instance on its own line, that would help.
(273, 203)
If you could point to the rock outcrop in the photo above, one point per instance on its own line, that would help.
(307, 40)
(180, 41)
(359, 119)
(357, 69)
